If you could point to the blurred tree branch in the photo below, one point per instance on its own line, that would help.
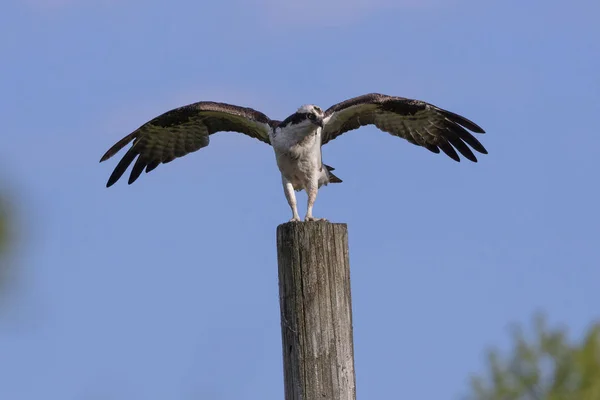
(5, 242)
(544, 367)
(3, 227)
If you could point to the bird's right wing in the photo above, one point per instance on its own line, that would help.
(181, 131)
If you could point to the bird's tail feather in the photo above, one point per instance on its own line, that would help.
(332, 177)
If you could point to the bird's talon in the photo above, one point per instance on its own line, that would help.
(309, 219)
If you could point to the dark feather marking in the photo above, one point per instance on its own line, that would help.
(293, 119)
(470, 139)
(445, 131)
(460, 145)
(449, 150)
(122, 166)
(433, 148)
(371, 98)
(152, 165)
(403, 106)
(137, 170)
(459, 119)
(175, 117)
(334, 179)
(118, 146)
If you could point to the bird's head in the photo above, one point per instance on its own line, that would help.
(312, 113)
(307, 115)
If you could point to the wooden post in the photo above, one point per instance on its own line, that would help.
(316, 311)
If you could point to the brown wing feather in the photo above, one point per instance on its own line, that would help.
(418, 122)
(182, 131)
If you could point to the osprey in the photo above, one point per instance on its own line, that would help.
(296, 140)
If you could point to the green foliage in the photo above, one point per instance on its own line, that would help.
(546, 367)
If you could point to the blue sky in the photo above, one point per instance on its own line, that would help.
(167, 289)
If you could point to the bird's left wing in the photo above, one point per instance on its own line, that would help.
(182, 131)
(420, 123)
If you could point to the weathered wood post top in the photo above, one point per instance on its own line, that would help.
(316, 311)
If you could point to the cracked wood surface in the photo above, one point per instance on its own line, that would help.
(316, 311)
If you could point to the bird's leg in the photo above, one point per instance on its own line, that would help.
(288, 188)
(311, 189)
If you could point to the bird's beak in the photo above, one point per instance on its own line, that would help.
(319, 121)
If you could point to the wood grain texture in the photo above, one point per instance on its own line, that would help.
(316, 311)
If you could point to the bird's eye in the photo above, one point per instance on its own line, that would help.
(311, 116)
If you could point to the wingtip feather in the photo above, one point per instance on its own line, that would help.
(118, 146)
(465, 122)
(449, 151)
(111, 181)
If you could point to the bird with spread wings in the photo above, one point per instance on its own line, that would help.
(296, 140)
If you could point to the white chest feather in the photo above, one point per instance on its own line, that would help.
(298, 152)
